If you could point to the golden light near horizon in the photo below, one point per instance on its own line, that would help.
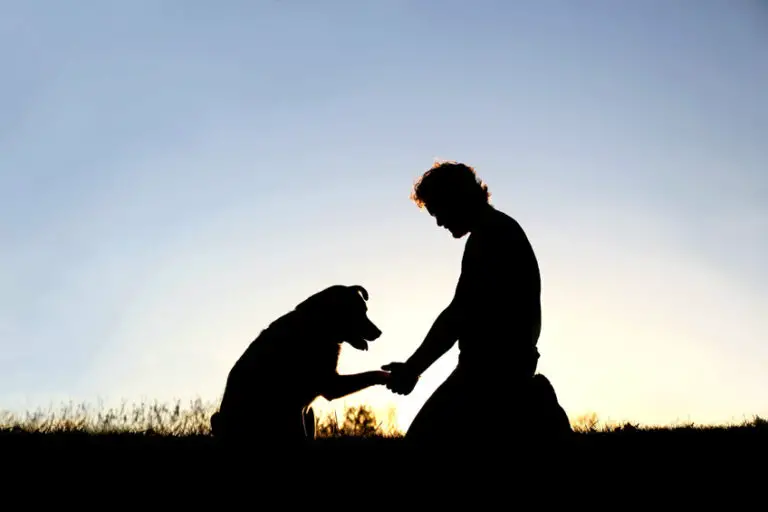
(607, 348)
(598, 368)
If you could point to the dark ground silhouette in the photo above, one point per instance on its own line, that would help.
(624, 462)
(723, 448)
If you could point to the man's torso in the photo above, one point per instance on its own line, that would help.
(499, 290)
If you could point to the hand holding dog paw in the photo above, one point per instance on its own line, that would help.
(401, 379)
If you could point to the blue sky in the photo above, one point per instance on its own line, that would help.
(175, 175)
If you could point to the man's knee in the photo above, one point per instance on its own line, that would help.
(443, 418)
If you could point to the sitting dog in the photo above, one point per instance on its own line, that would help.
(269, 391)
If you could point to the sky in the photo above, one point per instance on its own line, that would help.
(176, 175)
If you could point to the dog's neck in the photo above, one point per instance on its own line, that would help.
(304, 331)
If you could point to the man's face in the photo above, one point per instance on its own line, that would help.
(449, 217)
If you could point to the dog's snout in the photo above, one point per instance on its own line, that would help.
(373, 331)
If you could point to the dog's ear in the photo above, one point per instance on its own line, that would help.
(363, 291)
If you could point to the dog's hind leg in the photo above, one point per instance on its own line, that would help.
(308, 420)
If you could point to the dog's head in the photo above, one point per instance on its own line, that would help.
(341, 313)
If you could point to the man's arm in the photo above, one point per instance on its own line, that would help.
(445, 330)
(441, 337)
(340, 386)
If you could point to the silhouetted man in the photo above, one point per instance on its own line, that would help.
(495, 315)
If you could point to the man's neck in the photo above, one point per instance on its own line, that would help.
(478, 215)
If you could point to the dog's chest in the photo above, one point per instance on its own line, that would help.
(320, 360)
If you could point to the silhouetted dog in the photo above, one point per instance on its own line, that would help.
(269, 391)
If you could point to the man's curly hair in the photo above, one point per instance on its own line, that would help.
(449, 180)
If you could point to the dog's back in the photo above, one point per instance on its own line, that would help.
(275, 378)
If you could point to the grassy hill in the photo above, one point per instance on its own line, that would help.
(156, 430)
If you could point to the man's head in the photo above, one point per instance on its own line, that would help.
(453, 194)
(342, 315)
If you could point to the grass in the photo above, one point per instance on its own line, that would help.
(155, 429)
(168, 421)
(193, 420)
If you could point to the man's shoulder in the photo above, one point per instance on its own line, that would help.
(499, 224)
(504, 218)
(497, 228)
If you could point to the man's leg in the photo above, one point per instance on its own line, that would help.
(498, 420)
(528, 420)
(441, 418)
(551, 420)
(472, 417)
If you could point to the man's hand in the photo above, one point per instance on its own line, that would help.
(401, 379)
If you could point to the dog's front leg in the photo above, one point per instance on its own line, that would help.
(340, 386)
